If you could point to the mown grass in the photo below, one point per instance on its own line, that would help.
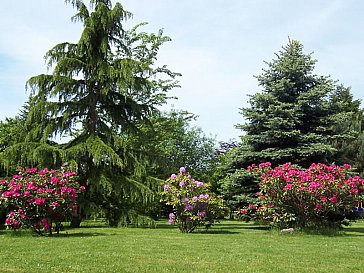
(228, 247)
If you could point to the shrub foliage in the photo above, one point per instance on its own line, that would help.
(39, 199)
(192, 201)
(320, 196)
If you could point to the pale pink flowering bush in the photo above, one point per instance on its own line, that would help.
(39, 199)
(320, 196)
(193, 203)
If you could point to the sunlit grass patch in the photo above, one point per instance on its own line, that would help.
(230, 246)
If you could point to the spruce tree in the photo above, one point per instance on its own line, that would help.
(100, 89)
(287, 121)
(298, 117)
(347, 125)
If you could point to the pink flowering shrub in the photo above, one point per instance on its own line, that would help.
(320, 196)
(193, 203)
(39, 199)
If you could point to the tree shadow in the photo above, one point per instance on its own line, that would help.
(353, 231)
(63, 234)
(243, 225)
(88, 226)
(80, 234)
(215, 231)
(164, 226)
(222, 227)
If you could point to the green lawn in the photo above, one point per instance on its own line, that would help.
(227, 247)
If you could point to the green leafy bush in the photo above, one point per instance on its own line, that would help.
(40, 198)
(318, 197)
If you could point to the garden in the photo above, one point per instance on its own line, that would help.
(132, 188)
(204, 242)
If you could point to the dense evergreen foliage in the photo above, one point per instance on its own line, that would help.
(347, 129)
(298, 117)
(100, 91)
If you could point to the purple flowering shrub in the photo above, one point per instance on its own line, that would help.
(39, 199)
(193, 203)
(321, 196)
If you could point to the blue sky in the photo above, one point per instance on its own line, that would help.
(217, 45)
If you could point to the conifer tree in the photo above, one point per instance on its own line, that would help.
(298, 117)
(287, 121)
(347, 129)
(100, 89)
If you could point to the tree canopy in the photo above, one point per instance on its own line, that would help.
(172, 143)
(99, 92)
(287, 120)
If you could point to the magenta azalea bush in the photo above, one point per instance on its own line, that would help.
(318, 197)
(39, 199)
(192, 201)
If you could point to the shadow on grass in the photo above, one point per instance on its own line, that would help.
(214, 231)
(89, 226)
(63, 234)
(241, 226)
(81, 234)
(354, 231)
(222, 227)
(164, 226)
(256, 227)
